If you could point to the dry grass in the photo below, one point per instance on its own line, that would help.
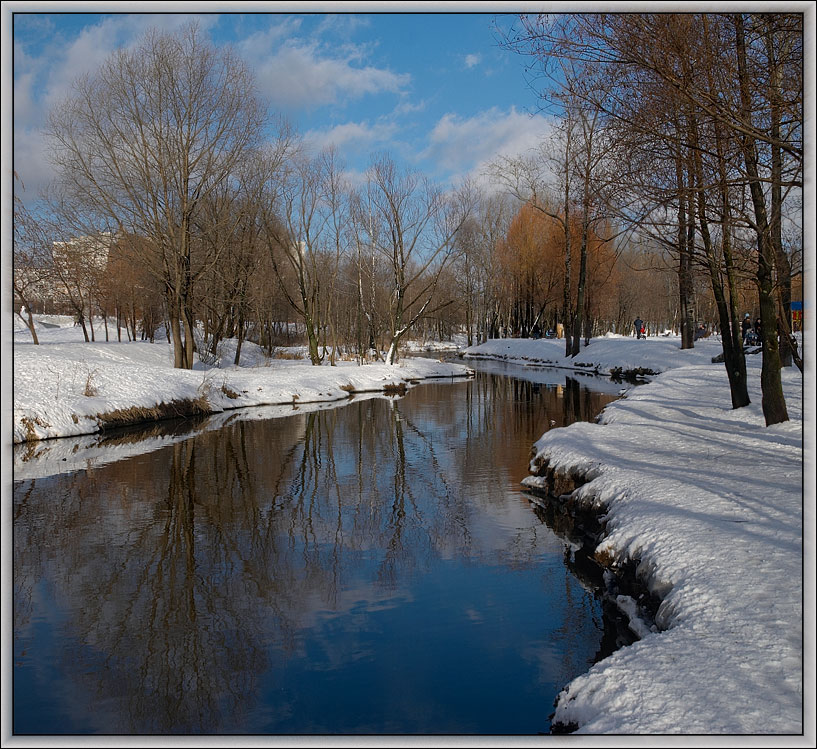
(399, 389)
(605, 558)
(137, 414)
(229, 393)
(29, 424)
(91, 390)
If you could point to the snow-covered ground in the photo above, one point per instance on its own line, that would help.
(63, 385)
(605, 355)
(708, 499)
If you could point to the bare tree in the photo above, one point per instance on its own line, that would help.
(544, 180)
(773, 402)
(724, 98)
(304, 231)
(413, 226)
(33, 270)
(477, 264)
(148, 137)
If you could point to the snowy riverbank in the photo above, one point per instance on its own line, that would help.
(609, 355)
(708, 501)
(66, 387)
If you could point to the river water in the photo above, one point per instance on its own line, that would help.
(373, 568)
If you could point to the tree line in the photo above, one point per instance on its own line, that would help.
(668, 189)
(687, 129)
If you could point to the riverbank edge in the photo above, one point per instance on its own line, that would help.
(615, 581)
(632, 374)
(626, 581)
(619, 581)
(202, 405)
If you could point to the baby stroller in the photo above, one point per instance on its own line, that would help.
(752, 339)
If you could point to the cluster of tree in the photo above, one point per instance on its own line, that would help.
(666, 191)
(166, 149)
(687, 129)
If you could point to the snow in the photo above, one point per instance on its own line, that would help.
(612, 352)
(62, 385)
(708, 500)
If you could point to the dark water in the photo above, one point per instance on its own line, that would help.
(370, 569)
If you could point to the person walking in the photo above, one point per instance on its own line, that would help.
(639, 327)
(745, 326)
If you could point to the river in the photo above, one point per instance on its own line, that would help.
(366, 569)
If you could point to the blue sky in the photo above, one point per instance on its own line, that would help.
(433, 89)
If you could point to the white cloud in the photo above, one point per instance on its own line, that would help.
(406, 106)
(26, 108)
(356, 178)
(342, 24)
(44, 80)
(30, 163)
(351, 135)
(466, 146)
(96, 43)
(472, 61)
(297, 74)
(257, 46)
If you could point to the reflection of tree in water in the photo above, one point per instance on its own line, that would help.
(153, 571)
(182, 572)
(581, 404)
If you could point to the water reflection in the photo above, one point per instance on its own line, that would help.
(367, 569)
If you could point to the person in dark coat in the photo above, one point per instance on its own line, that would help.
(745, 326)
(639, 327)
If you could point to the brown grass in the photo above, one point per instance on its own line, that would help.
(399, 389)
(138, 414)
(229, 393)
(29, 424)
(605, 558)
(91, 390)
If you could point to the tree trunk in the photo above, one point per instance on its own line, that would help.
(175, 332)
(776, 194)
(684, 238)
(733, 356)
(580, 291)
(391, 356)
(773, 401)
(29, 320)
(84, 328)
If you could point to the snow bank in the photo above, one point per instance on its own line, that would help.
(608, 355)
(66, 387)
(708, 501)
(43, 458)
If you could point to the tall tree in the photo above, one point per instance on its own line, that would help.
(33, 269)
(149, 136)
(737, 79)
(304, 232)
(413, 227)
(773, 402)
